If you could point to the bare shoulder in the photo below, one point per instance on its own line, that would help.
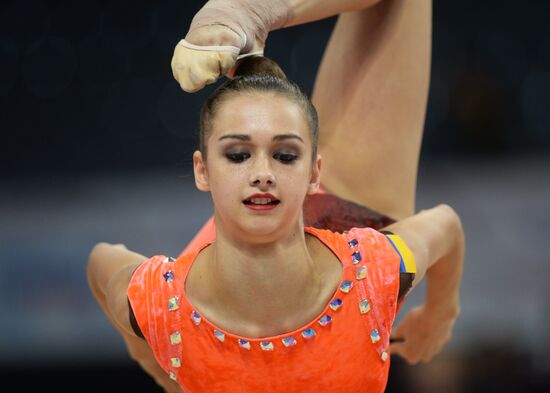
(110, 269)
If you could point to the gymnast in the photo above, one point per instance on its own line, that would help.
(294, 287)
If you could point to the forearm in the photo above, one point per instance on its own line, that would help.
(444, 277)
(252, 20)
(304, 11)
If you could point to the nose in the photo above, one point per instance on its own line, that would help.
(262, 176)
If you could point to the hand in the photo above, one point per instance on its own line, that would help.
(421, 334)
(193, 69)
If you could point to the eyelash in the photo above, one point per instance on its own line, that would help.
(240, 157)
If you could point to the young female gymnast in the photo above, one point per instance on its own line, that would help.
(230, 315)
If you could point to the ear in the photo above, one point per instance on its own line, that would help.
(200, 172)
(315, 179)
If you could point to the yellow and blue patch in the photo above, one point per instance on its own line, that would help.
(407, 265)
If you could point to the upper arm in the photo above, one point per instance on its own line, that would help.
(430, 235)
(110, 268)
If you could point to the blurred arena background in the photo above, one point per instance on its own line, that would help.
(96, 146)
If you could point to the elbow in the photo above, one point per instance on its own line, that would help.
(94, 257)
(453, 224)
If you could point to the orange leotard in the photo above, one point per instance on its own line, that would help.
(344, 349)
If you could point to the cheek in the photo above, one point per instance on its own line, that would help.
(226, 185)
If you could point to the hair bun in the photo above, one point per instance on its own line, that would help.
(253, 65)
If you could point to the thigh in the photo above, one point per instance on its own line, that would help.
(371, 93)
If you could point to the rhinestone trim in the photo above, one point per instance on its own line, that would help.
(364, 306)
(219, 335)
(356, 257)
(244, 343)
(266, 345)
(196, 318)
(346, 286)
(360, 272)
(176, 363)
(325, 320)
(173, 303)
(335, 304)
(175, 338)
(308, 333)
(375, 336)
(169, 276)
(289, 341)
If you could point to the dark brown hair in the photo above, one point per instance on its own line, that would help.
(258, 74)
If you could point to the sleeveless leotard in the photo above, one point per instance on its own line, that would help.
(344, 349)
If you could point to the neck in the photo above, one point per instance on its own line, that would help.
(262, 282)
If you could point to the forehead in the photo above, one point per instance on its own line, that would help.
(259, 114)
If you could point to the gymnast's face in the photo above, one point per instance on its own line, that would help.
(259, 167)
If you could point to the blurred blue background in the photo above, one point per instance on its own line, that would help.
(96, 146)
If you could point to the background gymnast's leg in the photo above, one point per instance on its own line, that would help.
(371, 135)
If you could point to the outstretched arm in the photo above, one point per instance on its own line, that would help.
(436, 239)
(223, 29)
(109, 270)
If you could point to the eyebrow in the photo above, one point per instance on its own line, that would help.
(276, 138)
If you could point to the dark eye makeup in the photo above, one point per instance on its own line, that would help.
(285, 158)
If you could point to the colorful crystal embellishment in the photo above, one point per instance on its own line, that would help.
(266, 345)
(195, 317)
(374, 336)
(356, 257)
(168, 259)
(346, 286)
(289, 341)
(169, 276)
(219, 335)
(364, 306)
(175, 362)
(173, 303)
(244, 343)
(325, 320)
(361, 272)
(335, 304)
(384, 355)
(175, 338)
(309, 333)
(353, 243)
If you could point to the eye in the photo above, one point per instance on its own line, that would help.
(237, 157)
(285, 158)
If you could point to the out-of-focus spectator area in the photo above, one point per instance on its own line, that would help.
(96, 146)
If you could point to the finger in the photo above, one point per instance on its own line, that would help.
(189, 82)
(397, 331)
(226, 62)
(397, 349)
(405, 352)
(428, 355)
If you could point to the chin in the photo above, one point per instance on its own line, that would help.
(268, 232)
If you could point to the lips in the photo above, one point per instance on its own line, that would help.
(261, 200)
